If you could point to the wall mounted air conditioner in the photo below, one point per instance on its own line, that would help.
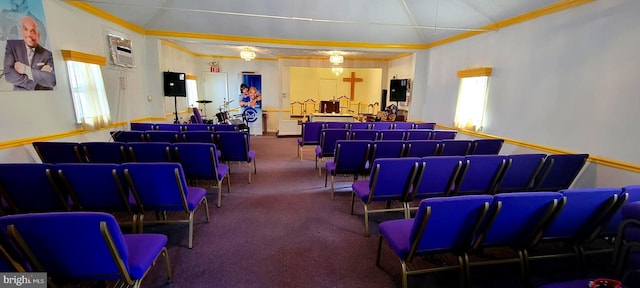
(121, 51)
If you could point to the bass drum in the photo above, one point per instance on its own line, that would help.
(222, 117)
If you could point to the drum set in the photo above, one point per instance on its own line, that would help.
(223, 116)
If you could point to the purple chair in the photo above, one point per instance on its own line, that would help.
(168, 127)
(327, 145)
(59, 152)
(105, 152)
(391, 135)
(162, 136)
(402, 125)
(480, 174)
(443, 134)
(442, 225)
(224, 127)
(419, 134)
(454, 147)
(85, 246)
(350, 159)
(335, 125)
(310, 136)
(141, 126)
(390, 180)
(198, 136)
(200, 162)
(558, 171)
(359, 125)
(31, 187)
(150, 152)
(388, 149)
(128, 136)
(197, 116)
(520, 172)
(196, 127)
(437, 177)
(430, 126)
(364, 134)
(486, 146)
(235, 147)
(163, 187)
(381, 125)
(421, 148)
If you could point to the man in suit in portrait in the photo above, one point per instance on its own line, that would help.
(27, 65)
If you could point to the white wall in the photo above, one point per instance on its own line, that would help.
(566, 80)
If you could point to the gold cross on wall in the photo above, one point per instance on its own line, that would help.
(353, 81)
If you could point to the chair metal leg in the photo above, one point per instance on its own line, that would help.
(190, 229)
(353, 197)
(165, 253)
(249, 164)
(219, 194)
(379, 251)
(206, 208)
(366, 220)
(332, 183)
(404, 274)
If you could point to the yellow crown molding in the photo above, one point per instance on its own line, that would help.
(69, 55)
(104, 15)
(475, 72)
(400, 56)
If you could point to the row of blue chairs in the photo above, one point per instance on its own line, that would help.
(466, 225)
(368, 125)
(471, 174)
(166, 136)
(131, 189)
(183, 127)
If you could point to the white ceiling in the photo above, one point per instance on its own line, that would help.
(302, 28)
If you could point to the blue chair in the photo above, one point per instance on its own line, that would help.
(200, 162)
(59, 152)
(442, 225)
(402, 125)
(629, 194)
(421, 148)
(310, 136)
(105, 152)
(390, 180)
(168, 127)
(454, 147)
(359, 125)
(520, 172)
(163, 187)
(391, 135)
(486, 146)
(224, 127)
(480, 174)
(381, 125)
(364, 134)
(443, 134)
(11, 260)
(350, 159)
(626, 255)
(98, 187)
(198, 136)
(197, 117)
(150, 152)
(169, 136)
(31, 187)
(327, 145)
(335, 125)
(388, 149)
(141, 126)
(418, 134)
(437, 177)
(85, 246)
(558, 171)
(128, 136)
(430, 126)
(235, 147)
(196, 127)
(514, 221)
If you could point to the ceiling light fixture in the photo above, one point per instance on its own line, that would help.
(247, 54)
(336, 59)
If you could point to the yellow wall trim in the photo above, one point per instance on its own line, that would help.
(69, 55)
(593, 159)
(104, 15)
(475, 72)
(191, 77)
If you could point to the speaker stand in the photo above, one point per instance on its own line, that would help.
(175, 105)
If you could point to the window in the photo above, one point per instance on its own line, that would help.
(472, 96)
(87, 89)
(192, 91)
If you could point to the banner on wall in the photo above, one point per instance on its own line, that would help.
(251, 102)
(28, 61)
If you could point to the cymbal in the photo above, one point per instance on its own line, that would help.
(228, 102)
(203, 101)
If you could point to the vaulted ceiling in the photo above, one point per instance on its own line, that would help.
(300, 28)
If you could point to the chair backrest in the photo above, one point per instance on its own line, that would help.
(105, 152)
(629, 194)
(168, 127)
(443, 134)
(424, 126)
(559, 171)
(391, 134)
(196, 127)
(419, 134)
(359, 125)
(162, 136)
(520, 172)
(387, 149)
(351, 156)
(454, 147)
(585, 211)
(381, 125)
(128, 136)
(75, 248)
(328, 138)
(437, 176)
(392, 178)
(486, 146)
(224, 127)
(141, 126)
(480, 174)
(198, 136)
(31, 187)
(150, 152)
(364, 134)
(59, 152)
(447, 223)
(402, 125)
(421, 148)
(157, 186)
(335, 125)
(311, 132)
(196, 114)
(515, 219)
(198, 160)
(95, 187)
(234, 145)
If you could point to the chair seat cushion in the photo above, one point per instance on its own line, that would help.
(194, 196)
(252, 155)
(331, 167)
(318, 151)
(397, 233)
(143, 250)
(361, 189)
(223, 169)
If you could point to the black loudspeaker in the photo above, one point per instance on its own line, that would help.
(383, 99)
(175, 84)
(398, 90)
